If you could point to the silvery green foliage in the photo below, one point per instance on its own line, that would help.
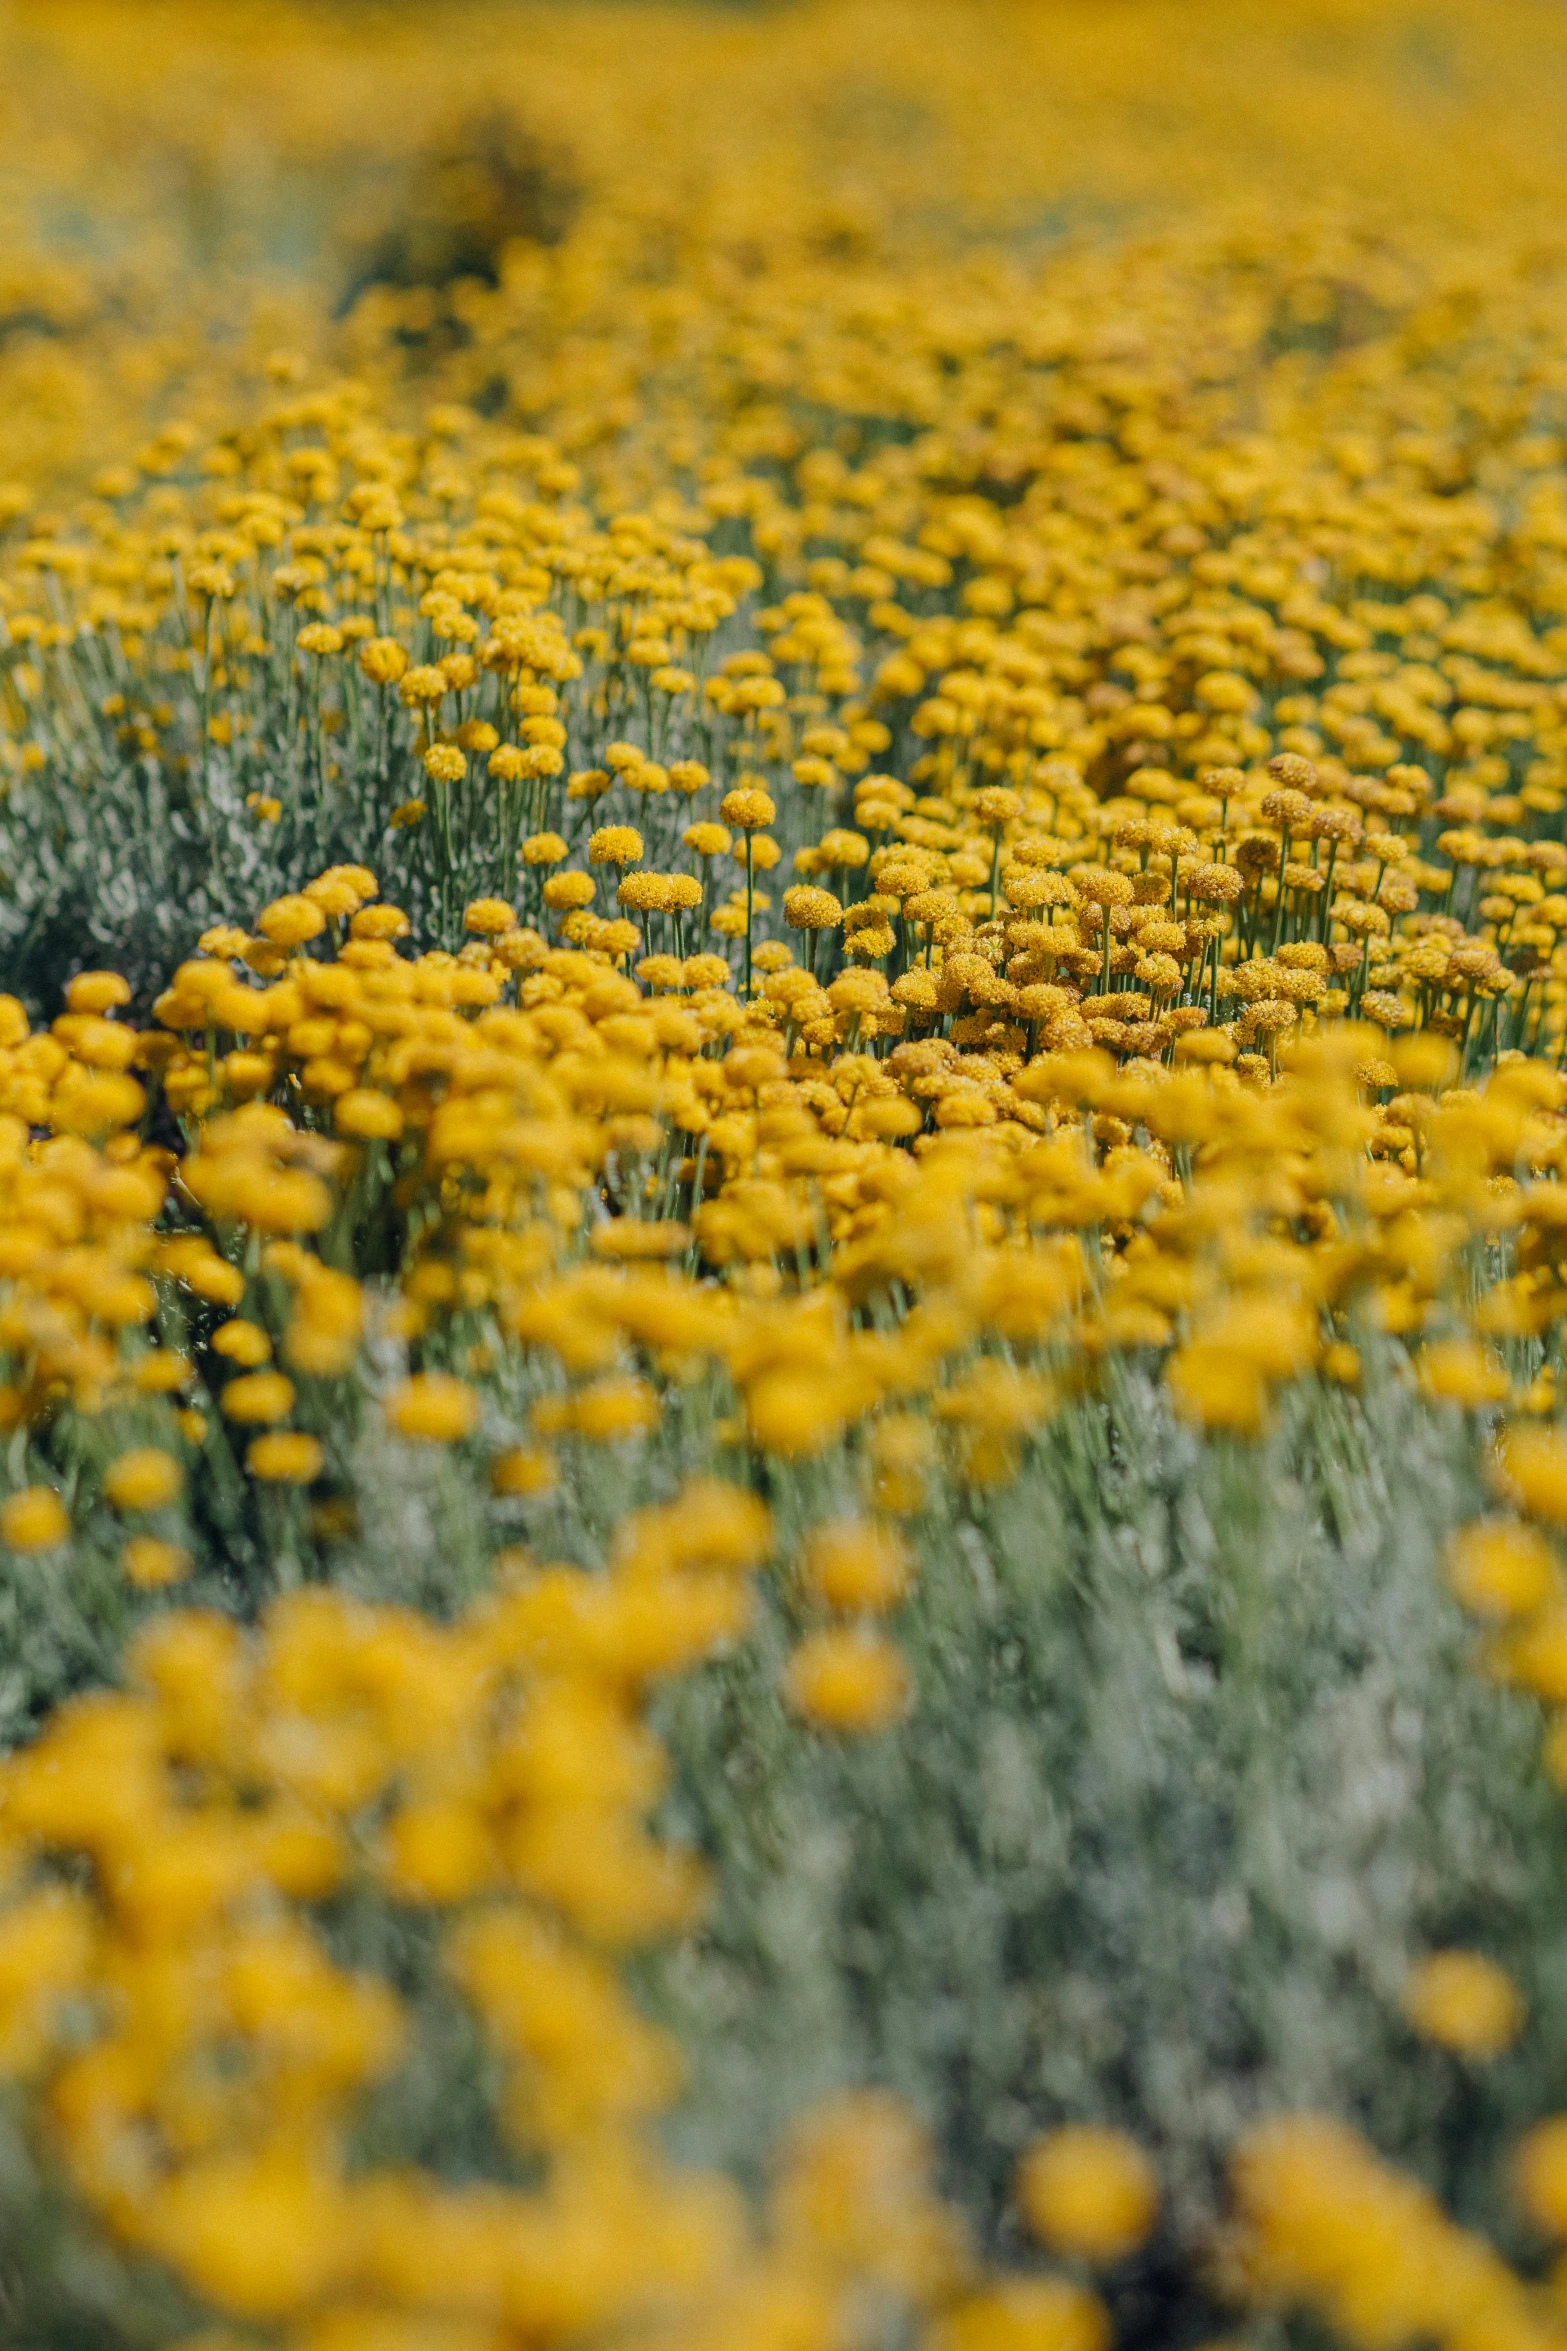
(61, 2287)
(1200, 1763)
(124, 857)
(1201, 1760)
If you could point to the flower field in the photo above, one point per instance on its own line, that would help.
(783, 1176)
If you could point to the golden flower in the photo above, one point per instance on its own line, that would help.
(1460, 1371)
(433, 1408)
(708, 840)
(444, 763)
(258, 1396)
(543, 849)
(143, 1479)
(243, 1343)
(808, 909)
(747, 809)
(1499, 1567)
(289, 922)
(1087, 2192)
(379, 922)
(150, 1564)
(1216, 1388)
(1540, 2174)
(258, 2235)
(97, 991)
(613, 1410)
(615, 844)
(854, 1564)
(526, 1469)
(285, 1457)
(1530, 1469)
(423, 687)
(849, 1680)
(1025, 2314)
(382, 660)
(487, 917)
(33, 1520)
(1465, 2003)
(367, 1115)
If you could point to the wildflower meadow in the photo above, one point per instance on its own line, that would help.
(783, 1175)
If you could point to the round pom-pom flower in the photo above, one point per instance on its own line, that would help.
(33, 1520)
(433, 1408)
(146, 1478)
(855, 1565)
(845, 1680)
(1465, 2003)
(289, 922)
(1087, 2192)
(284, 1457)
(151, 1565)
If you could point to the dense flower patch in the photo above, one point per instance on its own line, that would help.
(782, 1151)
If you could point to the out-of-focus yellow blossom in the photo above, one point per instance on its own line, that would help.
(1088, 2192)
(1465, 2003)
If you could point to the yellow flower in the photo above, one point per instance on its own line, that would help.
(1025, 2314)
(1540, 2173)
(285, 1457)
(1499, 1567)
(144, 1479)
(543, 848)
(151, 1564)
(258, 2235)
(33, 1520)
(615, 844)
(747, 809)
(1464, 2003)
(289, 922)
(487, 917)
(708, 840)
(97, 991)
(1216, 1389)
(845, 1680)
(1459, 1371)
(809, 909)
(527, 1469)
(1531, 1470)
(258, 1396)
(434, 1408)
(854, 1564)
(444, 763)
(382, 660)
(242, 1342)
(1088, 2192)
(367, 1115)
(613, 1410)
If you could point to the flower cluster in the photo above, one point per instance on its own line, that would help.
(201, 2052)
(787, 1019)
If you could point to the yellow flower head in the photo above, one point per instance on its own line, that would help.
(433, 1408)
(143, 1479)
(1465, 2003)
(849, 1681)
(1088, 2192)
(33, 1520)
